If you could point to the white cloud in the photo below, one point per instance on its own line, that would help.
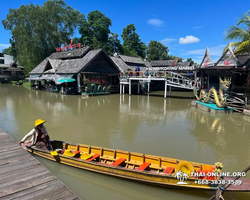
(3, 46)
(213, 51)
(189, 39)
(167, 40)
(198, 27)
(156, 22)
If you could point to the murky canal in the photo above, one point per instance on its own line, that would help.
(151, 125)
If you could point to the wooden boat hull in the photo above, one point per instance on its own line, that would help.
(144, 176)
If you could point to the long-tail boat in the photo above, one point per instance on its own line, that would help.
(149, 169)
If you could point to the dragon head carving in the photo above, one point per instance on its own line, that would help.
(225, 84)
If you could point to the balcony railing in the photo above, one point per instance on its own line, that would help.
(172, 78)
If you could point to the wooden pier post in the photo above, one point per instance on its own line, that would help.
(138, 87)
(148, 87)
(121, 88)
(208, 85)
(78, 82)
(166, 86)
(129, 86)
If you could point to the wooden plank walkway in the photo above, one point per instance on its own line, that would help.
(24, 177)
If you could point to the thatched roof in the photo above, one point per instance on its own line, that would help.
(228, 59)
(161, 63)
(121, 64)
(183, 63)
(75, 53)
(147, 64)
(39, 69)
(243, 59)
(54, 63)
(76, 65)
(66, 66)
(14, 69)
(168, 63)
(206, 61)
(46, 63)
(131, 59)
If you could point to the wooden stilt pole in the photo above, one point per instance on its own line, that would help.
(165, 92)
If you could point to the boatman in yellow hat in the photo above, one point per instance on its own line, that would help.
(38, 136)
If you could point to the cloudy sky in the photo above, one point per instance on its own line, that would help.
(187, 27)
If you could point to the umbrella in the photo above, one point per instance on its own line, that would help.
(66, 80)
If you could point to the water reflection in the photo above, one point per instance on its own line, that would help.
(223, 133)
(152, 125)
(120, 188)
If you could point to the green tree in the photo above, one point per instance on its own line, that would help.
(157, 51)
(37, 30)
(132, 44)
(241, 35)
(171, 57)
(114, 44)
(190, 60)
(95, 32)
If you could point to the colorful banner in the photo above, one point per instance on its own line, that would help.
(96, 81)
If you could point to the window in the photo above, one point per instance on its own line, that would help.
(1, 61)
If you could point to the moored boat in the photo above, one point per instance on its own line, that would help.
(149, 169)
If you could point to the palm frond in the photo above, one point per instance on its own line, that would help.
(243, 47)
(235, 32)
(235, 44)
(245, 20)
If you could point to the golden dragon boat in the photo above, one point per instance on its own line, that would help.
(148, 169)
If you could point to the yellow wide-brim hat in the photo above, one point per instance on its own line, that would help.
(38, 122)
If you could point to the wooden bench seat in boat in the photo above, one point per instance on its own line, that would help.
(143, 166)
(169, 170)
(95, 156)
(77, 153)
(119, 162)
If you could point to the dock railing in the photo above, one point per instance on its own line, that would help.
(172, 78)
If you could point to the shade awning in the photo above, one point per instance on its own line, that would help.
(47, 77)
(34, 77)
(50, 77)
(60, 77)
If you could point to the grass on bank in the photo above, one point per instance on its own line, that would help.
(22, 82)
(26, 84)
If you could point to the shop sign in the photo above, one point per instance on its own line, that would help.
(69, 47)
(173, 68)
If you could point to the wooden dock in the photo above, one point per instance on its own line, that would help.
(24, 177)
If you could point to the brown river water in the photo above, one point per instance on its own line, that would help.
(152, 125)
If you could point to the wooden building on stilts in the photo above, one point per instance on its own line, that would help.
(84, 65)
(228, 65)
